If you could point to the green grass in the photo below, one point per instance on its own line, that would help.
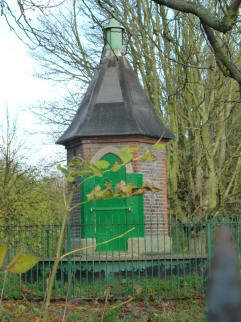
(176, 287)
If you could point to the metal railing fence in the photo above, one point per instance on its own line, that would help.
(173, 265)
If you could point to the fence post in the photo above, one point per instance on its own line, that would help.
(69, 260)
(47, 242)
(209, 245)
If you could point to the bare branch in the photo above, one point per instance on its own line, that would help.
(230, 69)
(223, 25)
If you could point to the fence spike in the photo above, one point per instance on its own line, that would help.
(224, 290)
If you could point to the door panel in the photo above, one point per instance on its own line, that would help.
(111, 214)
(105, 219)
(135, 206)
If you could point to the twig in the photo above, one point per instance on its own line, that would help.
(121, 304)
(106, 300)
(99, 244)
(45, 293)
(66, 299)
(4, 282)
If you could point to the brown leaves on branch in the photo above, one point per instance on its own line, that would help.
(84, 168)
(121, 190)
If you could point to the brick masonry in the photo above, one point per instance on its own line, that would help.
(155, 204)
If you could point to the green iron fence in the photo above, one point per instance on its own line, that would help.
(162, 263)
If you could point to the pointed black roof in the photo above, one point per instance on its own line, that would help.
(115, 104)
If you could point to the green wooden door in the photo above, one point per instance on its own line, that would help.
(135, 207)
(111, 215)
(105, 219)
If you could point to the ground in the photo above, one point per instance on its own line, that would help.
(132, 310)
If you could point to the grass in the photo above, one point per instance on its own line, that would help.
(176, 287)
(148, 303)
(138, 310)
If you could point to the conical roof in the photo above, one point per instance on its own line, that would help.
(115, 105)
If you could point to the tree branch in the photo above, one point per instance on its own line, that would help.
(223, 25)
(223, 60)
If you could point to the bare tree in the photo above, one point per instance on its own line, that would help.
(220, 17)
(186, 83)
(216, 18)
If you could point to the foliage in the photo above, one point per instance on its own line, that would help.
(20, 263)
(32, 199)
(40, 236)
(181, 76)
(186, 83)
(26, 193)
(3, 252)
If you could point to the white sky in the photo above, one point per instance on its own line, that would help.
(18, 90)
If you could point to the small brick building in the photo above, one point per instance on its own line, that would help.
(116, 112)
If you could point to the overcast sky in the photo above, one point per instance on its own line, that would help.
(18, 91)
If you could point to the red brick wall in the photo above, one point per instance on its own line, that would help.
(155, 204)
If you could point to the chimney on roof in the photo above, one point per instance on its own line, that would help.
(113, 36)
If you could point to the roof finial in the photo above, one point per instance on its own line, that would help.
(114, 38)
